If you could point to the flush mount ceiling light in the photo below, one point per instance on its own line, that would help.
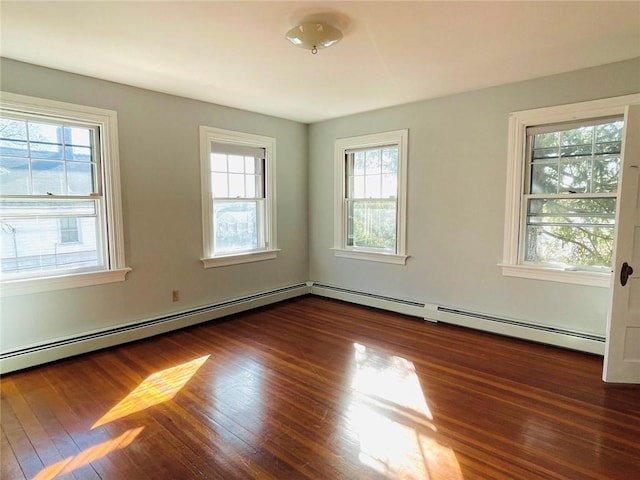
(314, 36)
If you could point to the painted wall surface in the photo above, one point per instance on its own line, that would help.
(456, 202)
(160, 174)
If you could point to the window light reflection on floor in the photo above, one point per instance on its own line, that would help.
(156, 388)
(390, 418)
(88, 455)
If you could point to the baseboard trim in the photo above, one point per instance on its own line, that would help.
(397, 305)
(60, 348)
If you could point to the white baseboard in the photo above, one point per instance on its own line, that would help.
(405, 307)
(539, 333)
(60, 348)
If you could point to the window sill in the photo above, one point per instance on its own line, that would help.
(592, 279)
(371, 256)
(237, 258)
(10, 288)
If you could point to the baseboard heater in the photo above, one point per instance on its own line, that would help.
(74, 345)
(398, 305)
(581, 341)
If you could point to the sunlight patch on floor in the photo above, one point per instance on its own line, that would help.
(156, 388)
(88, 455)
(391, 420)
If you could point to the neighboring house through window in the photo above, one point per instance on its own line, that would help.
(59, 184)
(370, 203)
(238, 197)
(563, 176)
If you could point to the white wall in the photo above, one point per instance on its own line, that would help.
(160, 173)
(456, 195)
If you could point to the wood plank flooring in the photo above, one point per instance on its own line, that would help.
(318, 389)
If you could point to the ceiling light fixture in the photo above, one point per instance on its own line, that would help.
(314, 36)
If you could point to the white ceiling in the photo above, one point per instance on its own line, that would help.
(234, 53)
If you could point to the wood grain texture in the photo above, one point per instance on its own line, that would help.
(319, 389)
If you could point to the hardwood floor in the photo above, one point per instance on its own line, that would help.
(318, 389)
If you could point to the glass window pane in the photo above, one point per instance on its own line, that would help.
(545, 153)
(45, 132)
(575, 175)
(236, 163)
(372, 186)
(77, 136)
(373, 162)
(555, 210)
(389, 186)
(32, 240)
(390, 160)
(80, 178)
(358, 187)
(250, 164)
(14, 148)
(358, 163)
(13, 129)
(546, 140)
(46, 150)
(236, 185)
(250, 186)
(218, 162)
(219, 186)
(609, 132)
(566, 245)
(236, 225)
(14, 176)
(78, 154)
(544, 178)
(372, 224)
(48, 177)
(606, 171)
(577, 136)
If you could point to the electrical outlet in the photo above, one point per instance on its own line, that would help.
(175, 295)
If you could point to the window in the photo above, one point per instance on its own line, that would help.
(58, 185)
(370, 205)
(68, 228)
(238, 189)
(564, 167)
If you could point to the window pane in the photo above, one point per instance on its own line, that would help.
(372, 224)
(606, 171)
(236, 163)
(575, 175)
(373, 162)
(236, 225)
(219, 186)
(570, 232)
(577, 137)
(78, 154)
(545, 153)
(390, 160)
(236, 185)
(14, 176)
(80, 178)
(218, 162)
(544, 178)
(46, 150)
(609, 132)
(13, 129)
(389, 186)
(547, 140)
(358, 187)
(250, 164)
(372, 186)
(579, 246)
(77, 136)
(14, 148)
(32, 238)
(48, 177)
(358, 163)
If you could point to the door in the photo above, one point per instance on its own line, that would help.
(622, 351)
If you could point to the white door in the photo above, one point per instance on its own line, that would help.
(622, 351)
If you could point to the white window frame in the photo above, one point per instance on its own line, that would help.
(342, 145)
(106, 122)
(209, 135)
(516, 164)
